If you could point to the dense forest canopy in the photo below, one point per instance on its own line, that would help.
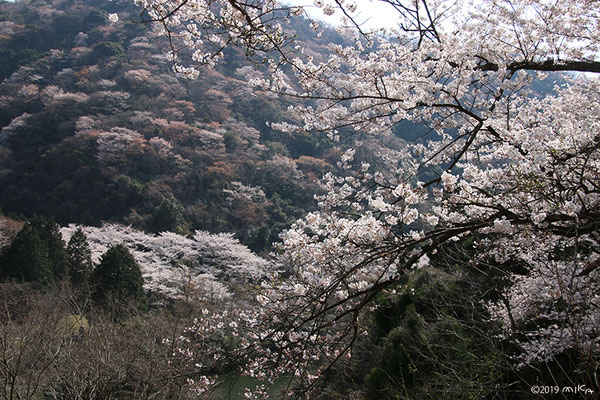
(96, 127)
(453, 248)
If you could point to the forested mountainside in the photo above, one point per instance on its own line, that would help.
(365, 215)
(97, 127)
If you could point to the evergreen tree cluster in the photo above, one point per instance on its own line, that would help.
(39, 254)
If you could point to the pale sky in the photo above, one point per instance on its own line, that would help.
(373, 13)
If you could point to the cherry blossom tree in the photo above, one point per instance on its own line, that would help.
(499, 158)
(13, 128)
(208, 27)
(211, 261)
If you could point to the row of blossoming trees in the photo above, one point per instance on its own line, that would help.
(86, 318)
(38, 255)
(512, 172)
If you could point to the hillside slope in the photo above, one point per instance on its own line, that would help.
(96, 127)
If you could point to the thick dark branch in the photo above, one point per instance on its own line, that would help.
(242, 10)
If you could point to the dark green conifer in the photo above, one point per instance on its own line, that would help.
(49, 233)
(27, 258)
(118, 279)
(79, 259)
